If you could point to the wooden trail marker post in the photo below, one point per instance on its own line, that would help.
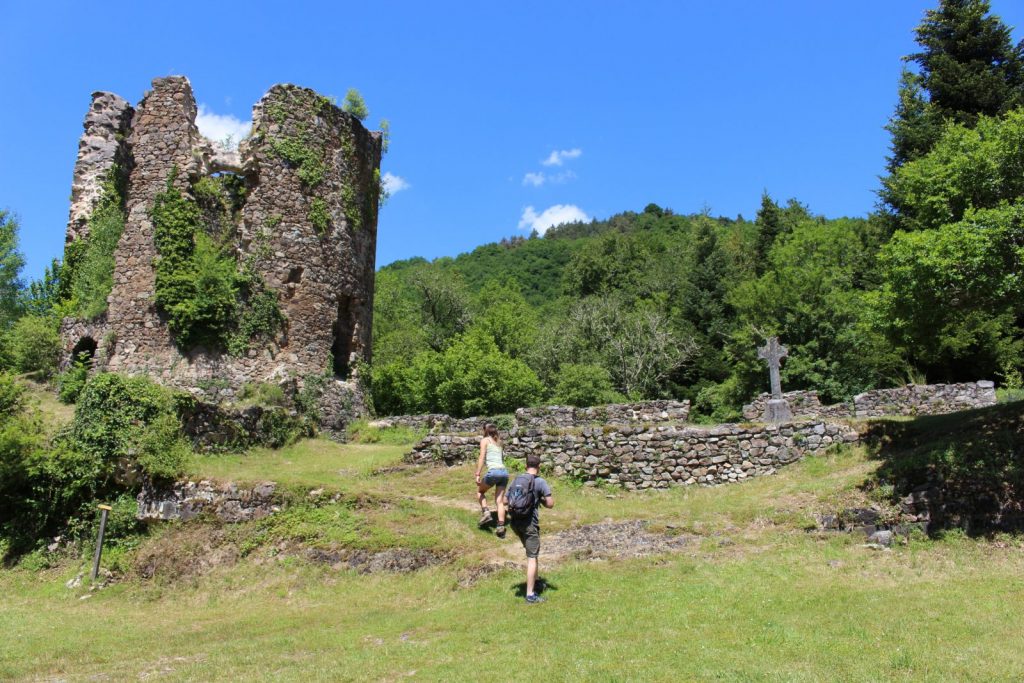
(104, 511)
(777, 409)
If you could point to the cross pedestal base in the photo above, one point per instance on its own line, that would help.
(777, 410)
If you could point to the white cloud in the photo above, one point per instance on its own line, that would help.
(539, 178)
(535, 179)
(550, 217)
(393, 183)
(558, 156)
(218, 127)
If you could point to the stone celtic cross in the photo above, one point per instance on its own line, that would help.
(773, 352)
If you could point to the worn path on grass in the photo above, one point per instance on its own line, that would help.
(603, 540)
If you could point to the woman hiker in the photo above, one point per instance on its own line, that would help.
(496, 476)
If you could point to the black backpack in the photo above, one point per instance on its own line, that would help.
(522, 498)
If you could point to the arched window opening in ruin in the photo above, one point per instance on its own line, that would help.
(295, 275)
(84, 351)
(343, 330)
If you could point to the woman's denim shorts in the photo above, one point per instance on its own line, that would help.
(497, 477)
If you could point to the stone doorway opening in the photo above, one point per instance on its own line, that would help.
(341, 349)
(84, 352)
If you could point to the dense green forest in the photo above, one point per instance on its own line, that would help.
(658, 304)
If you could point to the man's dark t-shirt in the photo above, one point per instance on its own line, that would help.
(541, 490)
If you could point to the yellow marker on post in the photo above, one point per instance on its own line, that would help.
(104, 510)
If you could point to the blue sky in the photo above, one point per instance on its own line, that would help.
(504, 115)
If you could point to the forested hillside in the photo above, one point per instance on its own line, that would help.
(657, 303)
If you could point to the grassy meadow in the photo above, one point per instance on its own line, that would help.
(753, 597)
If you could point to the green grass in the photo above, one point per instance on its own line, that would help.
(312, 462)
(756, 599)
(935, 612)
(55, 414)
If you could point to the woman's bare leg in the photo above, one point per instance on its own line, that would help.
(481, 496)
(499, 503)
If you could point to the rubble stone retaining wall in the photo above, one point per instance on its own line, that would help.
(187, 499)
(655, 456)
(214, 428)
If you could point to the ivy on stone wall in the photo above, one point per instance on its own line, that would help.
(319, 216)
(296, 151)
(199, 289)
(348, 189)
(87, 275)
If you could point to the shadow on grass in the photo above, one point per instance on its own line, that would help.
(540, 587)
(967, 468)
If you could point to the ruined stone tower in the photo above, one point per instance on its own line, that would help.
(300, 222)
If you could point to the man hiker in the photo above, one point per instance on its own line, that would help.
(523, 500)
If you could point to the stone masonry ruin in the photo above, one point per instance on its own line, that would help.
(294, 207)
(651, 445)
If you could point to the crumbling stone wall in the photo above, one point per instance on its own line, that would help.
(912, 399)
(186, 499)
(102, 146)
(654, 456)
(614, 413)
(641, 412)
(313, 243)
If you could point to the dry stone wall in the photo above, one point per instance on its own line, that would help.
(929, 399)
(642, 412)
(654, 456)
(912, 399)
(307, 228)
(615, 413)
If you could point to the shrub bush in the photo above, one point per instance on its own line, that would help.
(123, 427)
(35, 345)
(584, 385)
(279, 428)
(12, 397)
(262, 394)
(72, 381)
(113, 416)
(87, 274)
(470, 377)
(199, 289)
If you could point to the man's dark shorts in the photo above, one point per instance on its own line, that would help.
(529, 534)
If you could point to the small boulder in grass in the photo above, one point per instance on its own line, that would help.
(882, 537)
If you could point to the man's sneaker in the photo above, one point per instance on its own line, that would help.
(485, 518)
(500, 531)
(533, 599)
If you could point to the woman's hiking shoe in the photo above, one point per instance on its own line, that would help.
(500, 531)
(533, 599)
(485, 518)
